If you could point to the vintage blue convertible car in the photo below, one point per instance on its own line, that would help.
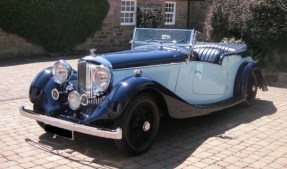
(122, 95)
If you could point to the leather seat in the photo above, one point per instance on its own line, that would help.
(223, 48)
(208, 54)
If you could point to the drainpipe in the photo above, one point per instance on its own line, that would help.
(188, 14)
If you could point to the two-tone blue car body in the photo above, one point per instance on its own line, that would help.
(123, 95)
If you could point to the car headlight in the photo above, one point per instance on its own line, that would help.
(101, 77)
(62, 71)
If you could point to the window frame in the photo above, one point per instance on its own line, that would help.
(129, 12)
(172, 13)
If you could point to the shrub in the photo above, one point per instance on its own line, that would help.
(262, 24)
(267, 24)
(57, 25)
(149, 17)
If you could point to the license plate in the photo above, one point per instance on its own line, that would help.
(60, 131)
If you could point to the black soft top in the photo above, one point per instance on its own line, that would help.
(225, 48)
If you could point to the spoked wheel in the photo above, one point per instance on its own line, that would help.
(139, 123)
(251, 90)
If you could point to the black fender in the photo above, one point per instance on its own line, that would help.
(121, 95)
(37, 85)
(241, 79)
(40, 91)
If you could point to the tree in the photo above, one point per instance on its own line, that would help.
(57, 25)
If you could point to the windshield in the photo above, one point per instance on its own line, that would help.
(144, 36)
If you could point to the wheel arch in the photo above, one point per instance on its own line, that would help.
(38, 84)
(160, 101)
(41, 87)
(241, 78)
(126, 90)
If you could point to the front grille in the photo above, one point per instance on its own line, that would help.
(85, 86)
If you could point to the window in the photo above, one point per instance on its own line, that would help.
(169, 17)
(128, 12)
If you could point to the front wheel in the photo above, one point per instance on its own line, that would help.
(251, 89)
(139, 123)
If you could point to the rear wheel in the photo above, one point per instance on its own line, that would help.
(251, 89)
(139, 123)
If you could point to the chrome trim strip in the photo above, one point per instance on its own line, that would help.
(111, 134)
(99, 58)
(150, 66)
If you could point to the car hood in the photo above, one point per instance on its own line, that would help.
(129, 59)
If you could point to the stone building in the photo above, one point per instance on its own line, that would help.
(117, 28)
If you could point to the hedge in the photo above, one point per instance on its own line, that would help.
(57, 25)
(262, 24)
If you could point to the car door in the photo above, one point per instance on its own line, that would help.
(202, 82)
(209, 79)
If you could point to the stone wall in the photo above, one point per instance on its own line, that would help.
(114, 37)
(198, 10)
(12, 45)
(181, 15)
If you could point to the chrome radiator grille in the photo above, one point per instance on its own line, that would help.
(85, 86)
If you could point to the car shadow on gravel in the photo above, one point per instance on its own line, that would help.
(176, 140)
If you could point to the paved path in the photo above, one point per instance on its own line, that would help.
(254, 137)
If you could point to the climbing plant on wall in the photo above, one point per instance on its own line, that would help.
(149, 16)
(57, 25)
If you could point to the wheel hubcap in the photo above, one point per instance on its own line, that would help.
(146, 126)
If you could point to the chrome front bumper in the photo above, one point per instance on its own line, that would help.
(111, 134)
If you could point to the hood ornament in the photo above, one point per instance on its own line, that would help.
(137, 72)
(92, 51)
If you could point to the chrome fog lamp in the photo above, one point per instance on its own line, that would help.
(74, 100)
(62, 71)
(101, 77)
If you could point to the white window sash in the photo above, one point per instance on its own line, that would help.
(130, 12)
(171, 13)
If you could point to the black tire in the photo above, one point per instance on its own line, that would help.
(139, 123)
(251, 89)
(37, 108)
